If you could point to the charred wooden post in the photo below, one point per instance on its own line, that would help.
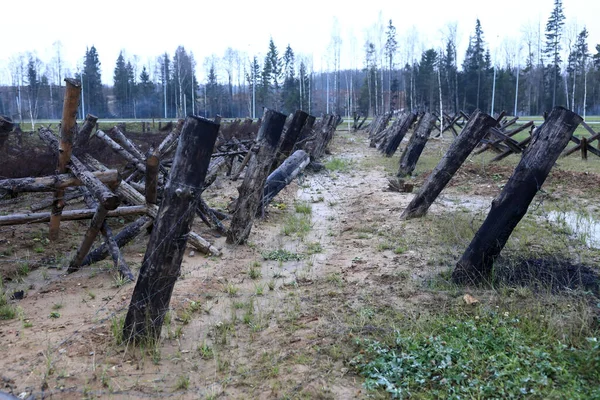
(282, 176)
(512, 203)
(68, 130)
(83, 136)
(166, 247)
(397, 136)
(152, 164)
(416, 144)
(121, 239)
(584, 148)
(290, 135)
(53, 183)
(251, 190)
(305, 134)
(459, 150)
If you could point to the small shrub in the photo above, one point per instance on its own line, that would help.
(281, 255)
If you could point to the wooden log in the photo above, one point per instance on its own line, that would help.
(282, 176)
(83, 136)
(126, 235)
(88, 238)
(69, 215)
(416, 144)
(117, 148)
(166, 247)
(251, 190)
(523, 143)
(584, 148)
(512, 203)
(68, 130)
(306, 133)
(362, 123)
(52, 183)
(127, 144)
(69, 196)
(152, 164)
(459, 150)
(252, 152)
(397, 137)
(209, 218)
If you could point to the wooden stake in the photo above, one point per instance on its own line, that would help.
(152, 163)
(479, 123)
(416, 144)
(510, 206)
(162, 261)
(68, 130)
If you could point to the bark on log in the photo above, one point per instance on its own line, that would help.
(290, 135)
(69, 215)
(282, 176)
(416, 144)
(88, 238)
(397, 137)
(106, 198)
(117, 148)
(83, 136)
(166, 247)
(68, 130)
(127, 144)
(52, 183)
(122, 238)
(48, 202)
(459, 150)
(251, 190)
(209, 218)
(512, 203)
(152, 164)
(171, 138)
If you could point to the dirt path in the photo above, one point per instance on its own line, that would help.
(242, 325)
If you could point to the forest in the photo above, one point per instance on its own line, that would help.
(554, 67)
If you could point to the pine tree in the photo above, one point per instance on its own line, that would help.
(91, 78)
(554, 29)
(391, 46)
(290, 91)
(146, 104)
(120, 86)
(474, 67)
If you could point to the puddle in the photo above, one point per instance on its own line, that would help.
(581, 226)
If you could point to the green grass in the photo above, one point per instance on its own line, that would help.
(303, 207)
(338, 164)
(296, 224)
(489, 355)
(282, 255)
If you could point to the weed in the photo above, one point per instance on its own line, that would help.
(183, 383)
(57, 306)
(314, 248)
(254, 273)
(271, 284)
(231, 289)
(338, 164)
(120, 281)
(303, 208)
(259, 290)
(206, 352)
(117, 323)
(54, 315)
(299, 224)
(282, 255)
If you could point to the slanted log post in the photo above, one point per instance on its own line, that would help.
(416, 144)
(478, 125)
(171, 138)
(305, 134)
(83, 136)
(162, 261)
(251, 190)
(53, 183)
(88, 238)
(68, 130)
(127, 144)
(152, 163)
(290, 136)
(512, 203)
(282, 176)
(584, 148)
(397, 136)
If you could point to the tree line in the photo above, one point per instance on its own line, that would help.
(235, 86)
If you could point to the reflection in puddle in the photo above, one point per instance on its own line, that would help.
(581, 226)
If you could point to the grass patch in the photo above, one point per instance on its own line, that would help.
(303, 208)
(298, 224)
(489, 355)
(338, 164)
(7, 311)
(282, 255)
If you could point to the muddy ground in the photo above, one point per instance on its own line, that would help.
(241, 325)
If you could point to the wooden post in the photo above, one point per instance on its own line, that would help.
(152, 163)
(83, 136)
(584, 148)
(396, 137)
(68, 130)
(117, 148)
(88, 238)
(162, 261)
(290, 135)
(251, 190)
(165, 146)
(510, 206)
(127, 144)
(413, 150)
(478, 125)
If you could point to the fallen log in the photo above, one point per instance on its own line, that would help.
(282, 176)
(416, 144)
(166, 145)
(52, 183)
(117, 148)
(75, 194)
(127, 144)
(251, 190)
(459, 150)
(69, 215)
(512, 203)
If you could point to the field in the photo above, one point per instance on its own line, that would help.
(333, 297)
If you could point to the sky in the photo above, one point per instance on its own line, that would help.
(147, 29)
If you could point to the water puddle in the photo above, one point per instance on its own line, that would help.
(580, 225)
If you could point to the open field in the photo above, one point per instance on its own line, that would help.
(333, 297)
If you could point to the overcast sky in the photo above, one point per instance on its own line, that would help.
(148, 29)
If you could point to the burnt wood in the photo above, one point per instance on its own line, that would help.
(416, 144)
